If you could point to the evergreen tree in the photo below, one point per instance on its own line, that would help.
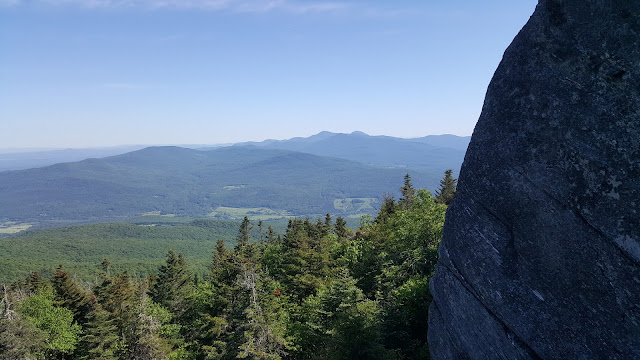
(147, 343)
(444, 195)
(106, 267)
(305, 260)
(172, 284)
(204, 326)
(19, 339)
(100, 338)
(72, 296)
(340, 228)
(343, 322)
(119, 297)
(271, 234)
(408, 192)
(266, 320)
(244, 233)
(35, 282)
(387, 209)
(327, 221)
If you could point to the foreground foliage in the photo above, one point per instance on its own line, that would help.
(319, 291)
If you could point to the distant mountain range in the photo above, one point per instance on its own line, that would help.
(327, 172)
(357, 146)
(435, 152)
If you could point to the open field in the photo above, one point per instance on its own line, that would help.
(252, 213)
(157, 213)
(356, 205)
(11, 227)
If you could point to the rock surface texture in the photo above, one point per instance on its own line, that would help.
(541, 250)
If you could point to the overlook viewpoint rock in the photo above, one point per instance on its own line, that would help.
(540, 257)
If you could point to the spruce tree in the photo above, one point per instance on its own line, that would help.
(35, 282)
(20, 340)
(147, 343)
(340, 228)
(408, 192)
(72, 296)
(271, 234)
(100, 339)
(119, 298)
(387, 209)
(447, 189)
(244, 233)
(172, 284)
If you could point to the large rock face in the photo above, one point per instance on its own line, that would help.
(541, 250)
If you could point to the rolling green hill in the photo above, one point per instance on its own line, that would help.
(186, 182)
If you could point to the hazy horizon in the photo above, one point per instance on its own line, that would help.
(8, 150)
(79, 74)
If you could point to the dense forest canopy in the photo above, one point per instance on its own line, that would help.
(318, 291)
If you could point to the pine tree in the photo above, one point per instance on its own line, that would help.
(266, 319)
(447, 190)
(327, 221)
(341, 323)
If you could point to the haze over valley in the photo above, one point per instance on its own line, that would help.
(343, 174)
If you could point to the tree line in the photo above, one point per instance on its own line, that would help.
(319, 291)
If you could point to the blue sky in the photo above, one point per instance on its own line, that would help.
(90, 73)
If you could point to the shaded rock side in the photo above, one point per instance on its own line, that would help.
(540, 255)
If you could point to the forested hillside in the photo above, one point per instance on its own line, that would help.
(139, 249)
(186, 182)
(317, 291)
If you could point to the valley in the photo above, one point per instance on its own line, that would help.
(343, 174)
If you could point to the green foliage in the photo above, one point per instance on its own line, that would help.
(71, 296)
(396, 255)
(172, 284)
(100, 338)
(56, 323)
(20, 340)
(447, 189)
(138, 249)
(341, 323)
(408, 192)
(320, 291)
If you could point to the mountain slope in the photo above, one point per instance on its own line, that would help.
(189, 182)
(19, 160)
(434, 153)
